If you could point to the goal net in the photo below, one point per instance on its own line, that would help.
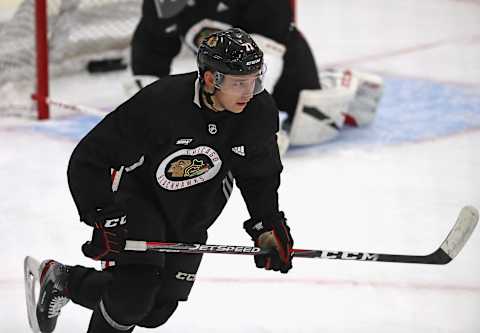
(48, 39)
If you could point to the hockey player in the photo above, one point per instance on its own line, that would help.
(179, 144)
(315, 115)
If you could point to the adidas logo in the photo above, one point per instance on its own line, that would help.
(222, 7)
(258, 226)
(240, 150)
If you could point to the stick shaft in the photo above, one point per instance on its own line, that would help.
(450, 247)
(438, 257)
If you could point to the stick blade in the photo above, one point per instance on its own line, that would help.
(31, 278)
(462, 230)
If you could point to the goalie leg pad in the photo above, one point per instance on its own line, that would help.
(363, 107)
(319, 115)
(366, 90)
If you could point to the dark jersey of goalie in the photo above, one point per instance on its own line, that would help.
(178, 161)
(157, 41)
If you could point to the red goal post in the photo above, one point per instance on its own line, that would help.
(293, 4)
(41, 43)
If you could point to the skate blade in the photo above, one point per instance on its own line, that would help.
(31, 271)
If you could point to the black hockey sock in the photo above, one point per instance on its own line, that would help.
(101, 322)
(86, 285)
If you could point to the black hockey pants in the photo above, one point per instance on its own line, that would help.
(125, 296)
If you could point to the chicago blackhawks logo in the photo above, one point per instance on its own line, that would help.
(212, 41)
(188, 167)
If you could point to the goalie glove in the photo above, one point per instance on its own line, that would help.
(272, 233)
(109, 233)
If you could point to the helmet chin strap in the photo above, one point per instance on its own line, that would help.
(208, 98)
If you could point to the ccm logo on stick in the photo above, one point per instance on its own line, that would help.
(349, 255)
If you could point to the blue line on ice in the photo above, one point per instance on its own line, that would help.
(411, 110)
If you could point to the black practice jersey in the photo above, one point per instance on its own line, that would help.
(164, 35)
(179, 156)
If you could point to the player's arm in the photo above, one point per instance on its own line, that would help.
(110, 144)
(118, 140)
(257, 175)
(258, 183)
(156, 41)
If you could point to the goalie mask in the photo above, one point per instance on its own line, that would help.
(235, 59)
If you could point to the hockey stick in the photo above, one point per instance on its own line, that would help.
(451, 246)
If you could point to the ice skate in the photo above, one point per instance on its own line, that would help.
(52, 277)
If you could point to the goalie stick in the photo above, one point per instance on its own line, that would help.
(451, 246)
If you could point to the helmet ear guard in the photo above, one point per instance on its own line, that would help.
(218, 78)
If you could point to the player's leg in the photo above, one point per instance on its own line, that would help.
(346, 96)
(127, 300)
(60, 283)
(142, 299)
(177, 282)
(87, 285)
(299, 73)
(298, 93)
(316, 115)
(135, 277)
(368, 90)
(319, 115)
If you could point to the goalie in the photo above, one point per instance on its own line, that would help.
(316, 106)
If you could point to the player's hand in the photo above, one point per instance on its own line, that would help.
(109, 233)
(273, 234)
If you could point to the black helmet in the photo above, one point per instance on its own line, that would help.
(231, 51)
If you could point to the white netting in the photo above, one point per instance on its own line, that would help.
(78, 32)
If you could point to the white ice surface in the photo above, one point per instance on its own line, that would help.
(400, 198)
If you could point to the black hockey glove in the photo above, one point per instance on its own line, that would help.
(109, 233)
(272, 233)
